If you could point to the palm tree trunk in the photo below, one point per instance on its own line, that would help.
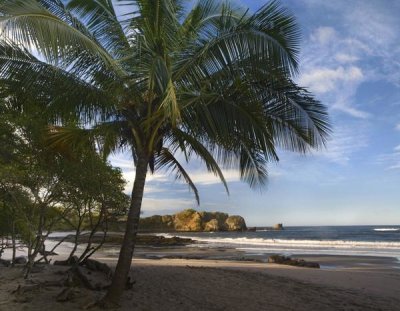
(125, 256)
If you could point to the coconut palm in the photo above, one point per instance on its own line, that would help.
(214, 82)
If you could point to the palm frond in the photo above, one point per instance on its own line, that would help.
(31, 24)
(101, 20)
(187, 144)
(166, 160)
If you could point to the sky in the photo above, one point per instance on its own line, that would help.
(350, 60)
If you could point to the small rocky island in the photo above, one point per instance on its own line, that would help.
(192, 220)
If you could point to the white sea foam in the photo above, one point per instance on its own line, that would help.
(387, 229)
(338, 247)
(296, 243)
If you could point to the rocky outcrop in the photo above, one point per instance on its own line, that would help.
(188, 220)
(158, 222)
(283, 260)
(235, 223)
(191, 220)
(212, 225)
(278, 227)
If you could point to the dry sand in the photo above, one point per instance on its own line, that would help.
(179, 284)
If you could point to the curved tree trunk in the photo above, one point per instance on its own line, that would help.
(125, 256)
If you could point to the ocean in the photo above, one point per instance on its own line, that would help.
(325, 240)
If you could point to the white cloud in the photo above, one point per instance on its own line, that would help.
(205, 178)
(345, 58)
(118, 161)
(397, 127)
(390, 160)
(322, 80)
(155, 205)
(376, 25)
(339, 85)
(323, 35)
(328, 69)
(345, 142)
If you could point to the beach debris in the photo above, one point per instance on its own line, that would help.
(284, 260)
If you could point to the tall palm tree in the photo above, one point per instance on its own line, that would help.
(213, 82)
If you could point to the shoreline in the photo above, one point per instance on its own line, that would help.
(192, 278)
(156, 247)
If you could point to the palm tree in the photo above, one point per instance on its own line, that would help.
(213, 82)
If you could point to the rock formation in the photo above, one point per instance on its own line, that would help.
(278, 227)
(235, 223)
(191, 220)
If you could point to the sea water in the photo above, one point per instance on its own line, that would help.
(327, 240)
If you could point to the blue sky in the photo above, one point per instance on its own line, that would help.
(350, 59)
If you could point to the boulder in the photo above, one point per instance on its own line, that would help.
(212, 225)
(20, 260)
(235, 223)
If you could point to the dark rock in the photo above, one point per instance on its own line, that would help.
(283, 260)
(155, 240)
(20, 260)
(95, 265)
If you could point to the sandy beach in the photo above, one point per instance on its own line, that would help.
(209, 284)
